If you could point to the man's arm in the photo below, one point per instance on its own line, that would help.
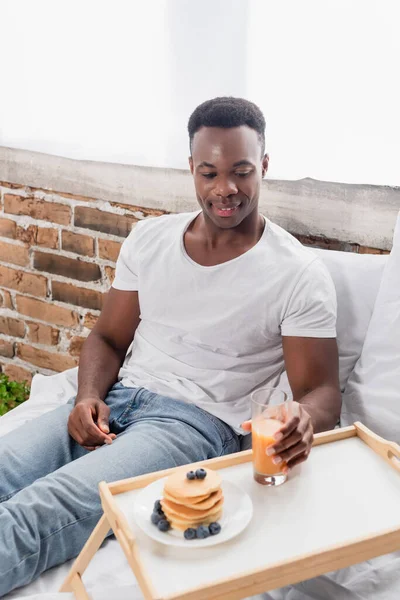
(101, 358)
(312, 366)
(105, 348)
(313, 373)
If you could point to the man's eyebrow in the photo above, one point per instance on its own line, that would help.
(239, 163)
(206, 164)
(244, 162)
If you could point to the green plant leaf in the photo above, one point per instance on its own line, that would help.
(12, 393)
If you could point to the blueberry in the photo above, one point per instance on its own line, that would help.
(214, 528)
(201, 473)
(191, 475)
(163, 525)
(189, 533)
(156, 518)
(202, 532)
(157, 506)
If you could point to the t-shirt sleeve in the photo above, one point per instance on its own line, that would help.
(126, 272)
(312, 306)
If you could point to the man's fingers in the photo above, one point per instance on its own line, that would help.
(92, 434)
(301, 447)
(288, 428)
(299, 459)
(246, 425)
(292, 452)
(286, 443)
(103, 415)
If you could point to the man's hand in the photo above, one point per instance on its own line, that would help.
(88, 423)
(294, 440)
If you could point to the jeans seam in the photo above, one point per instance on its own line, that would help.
(46, 538)
(218, 427)
(8, 496)
(221, 427)
(227, 442)
(128, 408)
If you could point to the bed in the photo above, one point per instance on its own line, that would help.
(109, 575)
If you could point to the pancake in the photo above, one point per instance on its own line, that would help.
(182, 525)
(201, 502)
(186, 501)
(192, 502)
(188, 512)
(179, 486)
(208, 502)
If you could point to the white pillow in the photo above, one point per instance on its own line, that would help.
(357, 279)
(372, 394)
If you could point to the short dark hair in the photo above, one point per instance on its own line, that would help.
(227, 112)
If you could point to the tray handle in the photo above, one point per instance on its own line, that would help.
(127, 541)
(389, 451)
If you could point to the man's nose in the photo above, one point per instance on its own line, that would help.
(225, 187)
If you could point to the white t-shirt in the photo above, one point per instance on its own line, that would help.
(211, 335)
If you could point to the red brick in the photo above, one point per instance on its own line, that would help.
(80, 244)
(368, 250)
(17, 373)
(47, 237)
(325, 243)
(71, 294)
(109, 249)
(13, 327)
(6, 300)
(67, 267)
(103, 221)
(6, 348)
(45, 359)
(43, 334)
(11, 253)
(11, 186)
(37, 209)
(110, 272)
(8, 228)
(50, 313)
(26, 283)
(27, 235)
(75, 197)
(147, 212)
(90, 320)
(75, 345)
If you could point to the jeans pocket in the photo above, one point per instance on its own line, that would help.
(138, 402)
(229, 439)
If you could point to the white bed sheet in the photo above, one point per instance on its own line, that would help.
(109, 575)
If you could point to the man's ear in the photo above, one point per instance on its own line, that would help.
(191, 167)
(265, 163)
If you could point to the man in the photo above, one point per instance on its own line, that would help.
(216, 303)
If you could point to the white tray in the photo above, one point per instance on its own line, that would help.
(339, 508)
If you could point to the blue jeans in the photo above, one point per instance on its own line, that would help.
(49, 501)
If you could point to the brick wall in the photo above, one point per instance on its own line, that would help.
(57, 261)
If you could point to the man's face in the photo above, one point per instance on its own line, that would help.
(227, 167)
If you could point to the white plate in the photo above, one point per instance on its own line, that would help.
(237, 513)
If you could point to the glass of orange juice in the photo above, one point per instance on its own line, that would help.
(270, 409)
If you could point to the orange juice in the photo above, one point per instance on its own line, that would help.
(263, 431)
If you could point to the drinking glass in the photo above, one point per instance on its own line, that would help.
(270, 410)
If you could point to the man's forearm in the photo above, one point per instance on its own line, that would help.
(323, 405)
(98, 367)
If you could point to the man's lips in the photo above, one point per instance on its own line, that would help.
(223, 210)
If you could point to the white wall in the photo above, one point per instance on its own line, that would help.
(116, 80)
(326, 73)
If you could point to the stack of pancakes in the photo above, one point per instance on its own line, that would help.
(190, 503)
